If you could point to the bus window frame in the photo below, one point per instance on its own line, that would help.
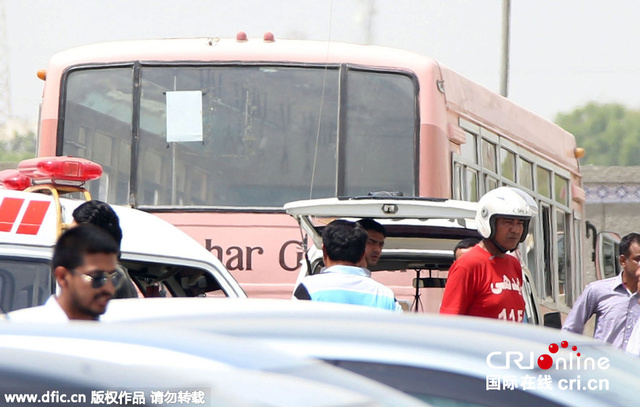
(137, 68)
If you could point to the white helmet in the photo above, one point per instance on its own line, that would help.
(504, 202)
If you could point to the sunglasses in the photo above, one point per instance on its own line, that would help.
(99, 278)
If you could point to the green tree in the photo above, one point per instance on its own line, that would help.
(609, 133)
(18, 148)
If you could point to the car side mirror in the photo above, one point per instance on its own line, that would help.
(552, 320)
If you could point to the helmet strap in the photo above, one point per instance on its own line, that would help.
(500, 248)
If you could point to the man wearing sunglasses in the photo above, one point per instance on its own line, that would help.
(84, 266)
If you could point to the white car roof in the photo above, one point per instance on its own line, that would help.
(146, 234)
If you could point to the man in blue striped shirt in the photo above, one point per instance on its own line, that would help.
(614, 301)
(342, 281)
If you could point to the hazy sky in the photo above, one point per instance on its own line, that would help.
(564, 53)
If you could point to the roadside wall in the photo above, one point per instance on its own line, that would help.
(612, 202)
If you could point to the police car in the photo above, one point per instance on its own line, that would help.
(161, 259)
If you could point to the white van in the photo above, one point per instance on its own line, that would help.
(161, 259)
(418, 249)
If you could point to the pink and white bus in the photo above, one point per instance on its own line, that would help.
(216, 134)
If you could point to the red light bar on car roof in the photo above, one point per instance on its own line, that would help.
(72, 171)
(12, 179)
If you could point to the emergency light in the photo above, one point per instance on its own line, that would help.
(69, 171)
(53, 176)
(13, 180)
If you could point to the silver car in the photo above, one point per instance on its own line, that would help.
(442, 360)
(97, 363)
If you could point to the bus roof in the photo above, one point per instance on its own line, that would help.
(230, 50)
(509, 119)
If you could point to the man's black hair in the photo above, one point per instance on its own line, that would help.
(344, 241)
(100, 214)
(466, 243)
(626, 241)
(370, 224)
(75, 243)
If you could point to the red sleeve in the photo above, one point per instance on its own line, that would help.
(459, 290)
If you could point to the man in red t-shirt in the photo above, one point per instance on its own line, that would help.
(486, 281)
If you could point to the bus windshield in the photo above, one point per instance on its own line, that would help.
(241, 135)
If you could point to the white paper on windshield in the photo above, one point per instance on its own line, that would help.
(184, 116)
